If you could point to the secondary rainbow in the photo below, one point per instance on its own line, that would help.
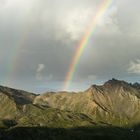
(14, 55)
(101, 11)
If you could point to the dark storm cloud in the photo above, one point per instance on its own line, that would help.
(52, 29)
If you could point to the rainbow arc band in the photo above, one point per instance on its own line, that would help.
(14, 57)
(101, 10)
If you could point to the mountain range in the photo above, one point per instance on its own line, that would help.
(108, 111)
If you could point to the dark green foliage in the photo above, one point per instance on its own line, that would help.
(9, 123)
(81, 133)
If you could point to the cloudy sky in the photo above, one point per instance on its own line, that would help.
(38, 39)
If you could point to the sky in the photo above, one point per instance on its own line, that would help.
(38, 39)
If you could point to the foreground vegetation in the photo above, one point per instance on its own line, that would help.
(81, 133)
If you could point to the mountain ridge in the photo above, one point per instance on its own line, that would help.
(114, 99)
(115, 104)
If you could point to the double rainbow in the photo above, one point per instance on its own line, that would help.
(101, 11)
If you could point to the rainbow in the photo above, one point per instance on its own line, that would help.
(15, 53)
(101, 11)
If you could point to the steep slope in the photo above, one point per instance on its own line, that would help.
(11, 101)
(8, 108)
(53, 118)
(19, 96)
(16, 109)
(115, 102)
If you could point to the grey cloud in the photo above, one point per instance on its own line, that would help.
(50, 31)
(134, 67)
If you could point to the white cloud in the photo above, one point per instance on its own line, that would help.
(39, 70)
(40, 67)
(2, 2)
(77, 21)
(134, 67)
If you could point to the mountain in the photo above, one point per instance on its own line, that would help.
(115, 102)
(99, 112)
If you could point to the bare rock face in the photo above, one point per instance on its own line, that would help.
(116, 102)
(136, 85)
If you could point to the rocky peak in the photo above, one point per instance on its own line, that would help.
(114, 82)
(136, 85)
